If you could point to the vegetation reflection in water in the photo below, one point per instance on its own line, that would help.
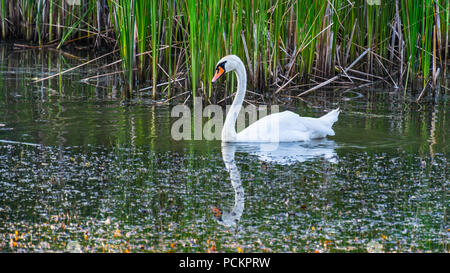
(81, 173)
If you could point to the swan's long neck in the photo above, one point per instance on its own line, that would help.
(229, 128)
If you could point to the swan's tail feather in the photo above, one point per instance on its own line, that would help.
(331, 117)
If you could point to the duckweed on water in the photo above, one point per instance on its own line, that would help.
(81, 172)
(100, 199)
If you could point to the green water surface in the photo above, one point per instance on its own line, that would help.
(82, 171)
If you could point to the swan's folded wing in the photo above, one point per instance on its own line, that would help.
(283, 126)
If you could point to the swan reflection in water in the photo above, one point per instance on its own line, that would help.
(286, 153)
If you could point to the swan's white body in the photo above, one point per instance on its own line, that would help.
(285, 126)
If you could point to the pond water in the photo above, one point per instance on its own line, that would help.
(81, 171)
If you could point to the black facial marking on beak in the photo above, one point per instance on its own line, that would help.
(220, 70)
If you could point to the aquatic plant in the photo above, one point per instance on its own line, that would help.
(124, 15)
(282, 42)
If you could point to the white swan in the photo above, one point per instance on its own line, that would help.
(278, 127)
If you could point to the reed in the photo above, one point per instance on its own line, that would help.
(171, 29)
(142, 27)
(277, 39)
(155, 38)
(124, 16)
(427, 38)
(3, 9)
(445, 19)
(73, 27)
(194, 40)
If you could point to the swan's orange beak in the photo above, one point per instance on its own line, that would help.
(219, 72)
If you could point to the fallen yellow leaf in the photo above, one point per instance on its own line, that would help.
(117, 233)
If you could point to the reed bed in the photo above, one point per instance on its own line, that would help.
(284, 43)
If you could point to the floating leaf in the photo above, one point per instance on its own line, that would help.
(117, 233)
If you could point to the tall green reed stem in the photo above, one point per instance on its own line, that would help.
(277, 39)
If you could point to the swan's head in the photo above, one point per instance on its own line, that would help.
(227, 64)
